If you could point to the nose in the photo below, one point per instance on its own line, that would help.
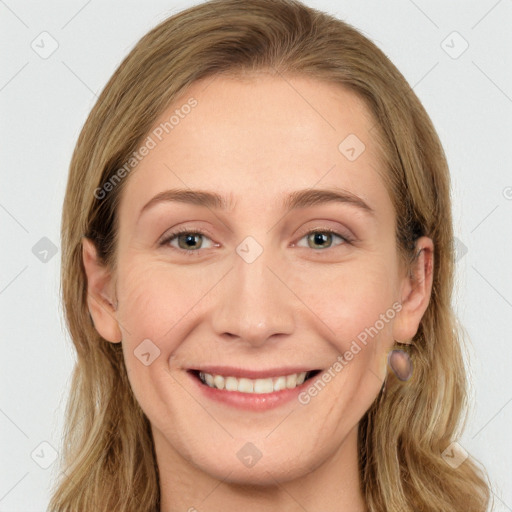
(254, 303)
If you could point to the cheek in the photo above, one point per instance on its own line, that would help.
(156, 298)
(156, 305)
(349, 298)
(354, 307)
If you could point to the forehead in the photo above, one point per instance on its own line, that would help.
(257, 139)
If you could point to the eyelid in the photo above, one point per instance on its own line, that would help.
(345, 234)
(173, 234)
(167, 238)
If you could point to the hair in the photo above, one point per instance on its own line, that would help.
(108, 456)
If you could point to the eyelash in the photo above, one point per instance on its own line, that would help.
(195, 252)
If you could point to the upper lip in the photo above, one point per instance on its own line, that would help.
(232, 371)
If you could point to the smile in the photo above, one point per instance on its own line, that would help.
(250, 389)
(255, 386)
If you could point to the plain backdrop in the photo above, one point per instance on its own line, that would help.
(57, 56)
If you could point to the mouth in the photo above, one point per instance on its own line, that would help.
(257, 386)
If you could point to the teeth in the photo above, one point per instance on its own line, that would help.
(244, 385)
(230, 384)
(280, 383)
(209, 379)
(218, 381)
(291, 381)
(263, 386)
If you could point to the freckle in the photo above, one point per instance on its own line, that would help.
(401, 364)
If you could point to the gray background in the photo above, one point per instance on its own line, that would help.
(45, 101)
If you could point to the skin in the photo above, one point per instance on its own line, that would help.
(256, 140)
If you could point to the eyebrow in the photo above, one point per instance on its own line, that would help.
(295, 200)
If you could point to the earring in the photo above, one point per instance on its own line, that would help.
(401, 364)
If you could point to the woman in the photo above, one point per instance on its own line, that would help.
(257, 274)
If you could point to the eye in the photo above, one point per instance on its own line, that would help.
(190, 242)
(322, 239)
(186, 240)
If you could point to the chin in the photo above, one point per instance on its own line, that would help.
(247, 465)
(260, 475)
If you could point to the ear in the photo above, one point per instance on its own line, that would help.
(415, 292)
(100, 293)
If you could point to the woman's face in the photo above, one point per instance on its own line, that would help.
(248, 290)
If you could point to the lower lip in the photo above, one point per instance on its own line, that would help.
(250, 401)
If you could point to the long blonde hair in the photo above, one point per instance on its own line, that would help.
(108, 460)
